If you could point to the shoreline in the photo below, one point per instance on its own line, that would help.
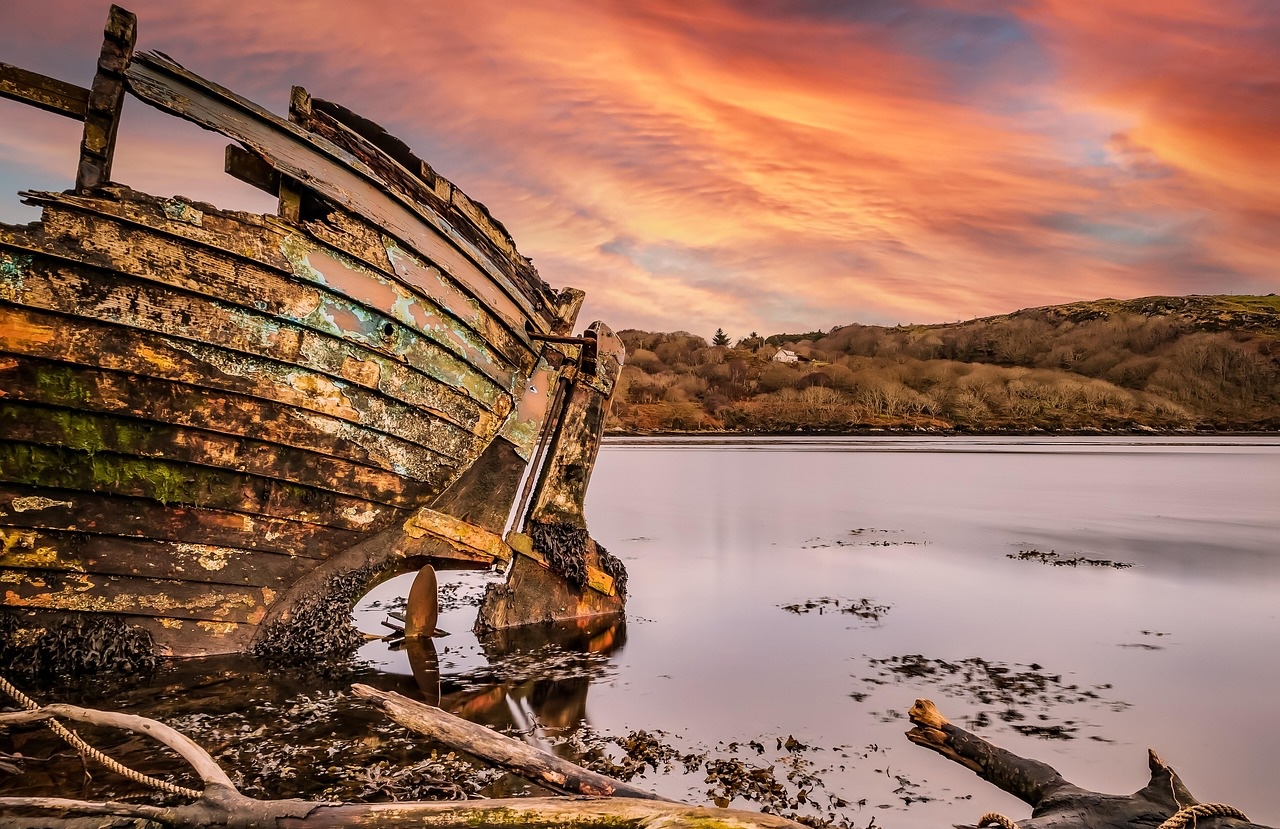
(936, 433)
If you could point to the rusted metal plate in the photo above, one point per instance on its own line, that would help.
(336, 175)
(73, 552)
(114, 515)
(422, 609)
(283, 428)
(93, 432)
(91, 343)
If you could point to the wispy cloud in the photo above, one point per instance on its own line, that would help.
(786, 165)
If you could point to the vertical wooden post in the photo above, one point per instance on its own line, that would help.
(562, 489)
(106, 99)
(290, 208)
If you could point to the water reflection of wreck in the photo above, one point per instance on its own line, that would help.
(219, 429)
(538, 676)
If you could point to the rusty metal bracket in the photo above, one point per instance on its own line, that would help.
(587, 354)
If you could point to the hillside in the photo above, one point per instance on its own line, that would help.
(1167, 363)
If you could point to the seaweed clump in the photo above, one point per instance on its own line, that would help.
(565, 548)
(319, 624)
(613, 566)
(77, 646)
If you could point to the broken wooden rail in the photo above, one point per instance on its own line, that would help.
(98, 107)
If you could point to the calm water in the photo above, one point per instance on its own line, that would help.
(1177, 652)
(1179, 649)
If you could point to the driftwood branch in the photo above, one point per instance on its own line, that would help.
(524, 760)
(222, 805)
(1058, 803)
(71, 808)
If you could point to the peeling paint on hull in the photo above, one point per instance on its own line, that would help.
(209, 418)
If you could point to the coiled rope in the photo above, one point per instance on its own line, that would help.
(1183, 816)
(1191, 813)
(92, 753)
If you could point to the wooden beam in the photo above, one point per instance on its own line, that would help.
(244, 165)
(473, 542)
(43, 92)
(340, 177)
(533, 764)
(106, 99)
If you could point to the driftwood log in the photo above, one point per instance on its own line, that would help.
(221, 804)
(1059, 804)
(524, 760)
(1165, 802)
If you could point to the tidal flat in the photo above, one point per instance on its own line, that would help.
(1073, 599)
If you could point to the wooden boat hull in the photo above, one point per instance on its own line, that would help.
(210, 420)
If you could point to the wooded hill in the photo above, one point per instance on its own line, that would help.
(1166, 363)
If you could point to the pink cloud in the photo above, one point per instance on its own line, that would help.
(731, 166)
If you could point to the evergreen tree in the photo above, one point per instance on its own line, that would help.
(720, 338)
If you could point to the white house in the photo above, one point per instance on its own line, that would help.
(784, 356)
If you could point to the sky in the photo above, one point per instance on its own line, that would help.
(756, 165)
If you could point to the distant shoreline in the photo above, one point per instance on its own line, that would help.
(928, 433)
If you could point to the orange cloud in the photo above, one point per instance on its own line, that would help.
(802, 164)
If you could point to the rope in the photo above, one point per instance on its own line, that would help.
(1178, 821)
(89, 751)
(1190, 813)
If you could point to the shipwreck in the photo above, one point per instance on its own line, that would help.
(219, 429)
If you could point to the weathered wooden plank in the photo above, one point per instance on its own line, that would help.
(525, 427)
(484, 493)
(75, 552)
(172, 637)
(244, 165)
(335, 175)
(435, 309)
(41, 508)
(106, 100)
(285, 428)
(402, 271)
(91, 343)
(43, 92)
(562, 486)
(447, 387)
(51, 590)
(468, 540)
(474, 350)
(415, 179)
(172, 482)
(94, 432)
(116, 515)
